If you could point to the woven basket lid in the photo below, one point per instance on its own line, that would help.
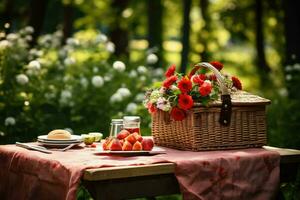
(241, 98)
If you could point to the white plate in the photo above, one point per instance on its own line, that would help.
(58, 141)
(58, 144)
(73, 138)
(155, 150)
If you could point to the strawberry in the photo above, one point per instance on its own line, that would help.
(123, 134)
(115, 145)
(147, 144)
(137, 146)
(130, 138)
(137, 136)
(127, 146)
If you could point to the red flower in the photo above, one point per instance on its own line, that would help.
(205, 88)
(151, 108)
(170, 71)
(212, 77)
(185, 101)
(178, 114)
(169, 81)
(217, 65)
(236, 83)
(199, 79)
(194, 70)
(185, 85)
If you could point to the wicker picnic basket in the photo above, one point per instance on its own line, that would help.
(237, 120)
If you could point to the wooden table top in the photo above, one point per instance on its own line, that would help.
(108, 173)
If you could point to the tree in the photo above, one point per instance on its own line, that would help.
(259, 39)
(68, 12)
(118, 33)
(185, 40)
(292, 54)
(7, 13)
(203, 37)
(155, 28)
(37, 15)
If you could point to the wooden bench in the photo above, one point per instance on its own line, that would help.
(158, 179)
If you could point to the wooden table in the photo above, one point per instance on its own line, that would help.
(158, 179)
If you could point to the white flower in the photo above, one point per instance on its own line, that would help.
(152, 58)
(72, 42)
(158, 72)
(35, 52)
(65, 97)
(101, 38)
(29, 29)
(5, 44)
(116, 98)
(119, 66)
(49, 96)
(288, 68)
(163, 104)
(66, 94)
(28, 37)
(34, 65)
(154, 96)
(69, 130)
(2, 133)
(12, 36)
(9, 121)
(174, 88)
(297, 67)
(142, 78)
(124, 92)
(288, 77)
(132, 74)
(69, 61)
(142, 69)
(110, 47)
(84, 82)
(131, 108)
(22, 79)
(107, 78)
(97, 81)
(140, 97)
(283, 92)
(95, 69)
(208, 81)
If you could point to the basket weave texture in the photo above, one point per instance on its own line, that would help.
(201, 129)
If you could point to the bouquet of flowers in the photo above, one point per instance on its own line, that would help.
(178, 93)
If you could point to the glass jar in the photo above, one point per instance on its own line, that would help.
(132, 124)
(116, 126)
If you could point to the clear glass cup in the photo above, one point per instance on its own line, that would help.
(116, 126)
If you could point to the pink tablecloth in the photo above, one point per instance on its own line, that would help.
(236, 174)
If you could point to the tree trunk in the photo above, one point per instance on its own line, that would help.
(155, 29)
(118, 35)
(185, 35)
(7, 14)
(203, 36)
(68, 12)
(292, 50)
(261, 57)
(36, 17)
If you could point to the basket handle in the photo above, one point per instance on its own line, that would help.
(226, 107)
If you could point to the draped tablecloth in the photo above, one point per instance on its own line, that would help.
(231, 174)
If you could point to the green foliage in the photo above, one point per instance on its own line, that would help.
(77, 86)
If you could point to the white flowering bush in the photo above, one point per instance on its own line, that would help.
(77, 86)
